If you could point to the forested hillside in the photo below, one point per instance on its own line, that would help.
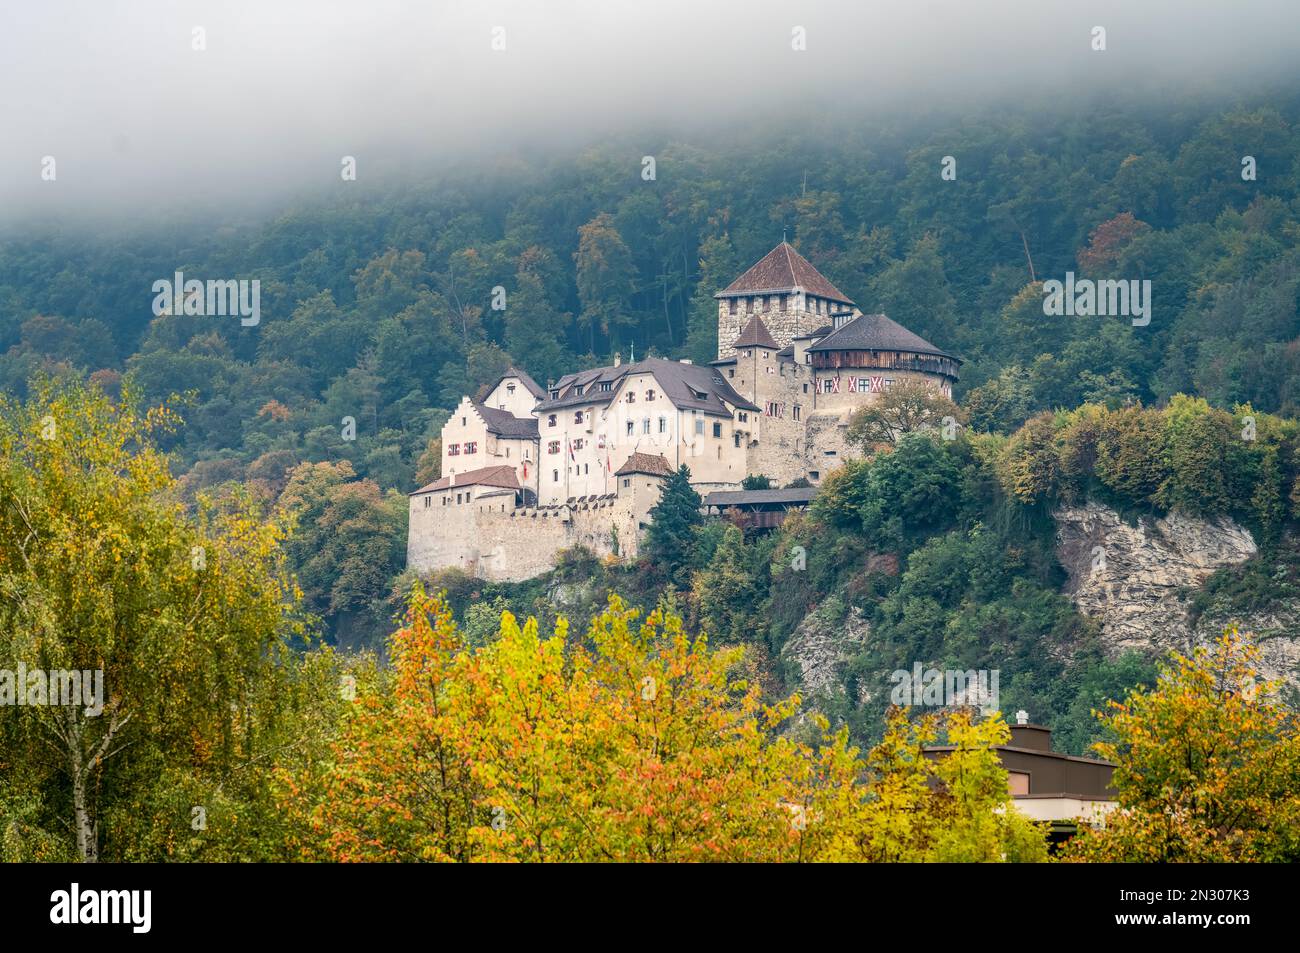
(377, 300)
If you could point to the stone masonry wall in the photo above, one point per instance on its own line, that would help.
(783, 325)
(493, 539)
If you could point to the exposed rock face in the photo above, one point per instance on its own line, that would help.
(822, 645)
(1277, 630)
(1137, 579)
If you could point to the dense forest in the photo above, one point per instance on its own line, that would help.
(378, 304)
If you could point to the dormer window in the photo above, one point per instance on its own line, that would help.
(607, 385)
(577, 390)
(555, 395)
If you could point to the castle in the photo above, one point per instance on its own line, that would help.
(528, 471)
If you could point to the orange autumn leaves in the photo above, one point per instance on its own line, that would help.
(638, 744)
(1208, 765)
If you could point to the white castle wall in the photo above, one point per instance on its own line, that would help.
(492, 539)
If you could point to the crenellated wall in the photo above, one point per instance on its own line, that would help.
(492, 538)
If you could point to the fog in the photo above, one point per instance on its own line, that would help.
(141, 123)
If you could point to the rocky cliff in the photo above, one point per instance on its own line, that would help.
(1138, 580)
(825, 641)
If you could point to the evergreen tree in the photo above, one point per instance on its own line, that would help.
(671, 537)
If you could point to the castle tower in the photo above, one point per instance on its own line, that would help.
(791, 296)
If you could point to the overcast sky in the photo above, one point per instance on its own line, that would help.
(137, 119)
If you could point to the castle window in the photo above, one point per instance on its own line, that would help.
(453, 450)
(630, 427)
(889, 382)
(699, 426)
(749, 354)
(550, 421)
(555, 476)
(798, 412)
(717, 430)
(814, 474)
(663, 424)
(827, 385)
(783, 297)
(553, 446)
(731, 372)
(749, 305)
(462, 422)
(427, 501)
(645, 425)
(631, 397)
(650, 395)
(586, 468)
(732, 303)
(458, 496)
(471, 447)
(510, 389)
(577, 444)
(627, 482)
(577, 417)
(744, 417)
(736, 437)
(507, 453)
(805, 388)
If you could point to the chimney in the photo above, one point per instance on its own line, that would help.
(1033, 737)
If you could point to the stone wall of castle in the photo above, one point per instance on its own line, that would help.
(491, 538)
(783, 325)
(826, 446)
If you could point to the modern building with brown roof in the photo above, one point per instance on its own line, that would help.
(1064, 790)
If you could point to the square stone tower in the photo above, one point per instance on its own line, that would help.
(786, 292)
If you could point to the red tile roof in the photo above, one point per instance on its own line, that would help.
(783, 269)
(502, 476)
(652, 463)
(756, 335)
